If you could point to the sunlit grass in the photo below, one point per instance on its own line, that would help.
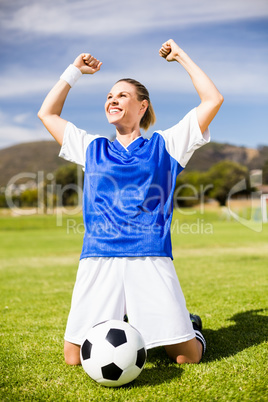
(224, 278)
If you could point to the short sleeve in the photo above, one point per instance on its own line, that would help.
(184, 138)
(75, 143)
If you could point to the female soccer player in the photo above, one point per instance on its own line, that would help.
(126, 261)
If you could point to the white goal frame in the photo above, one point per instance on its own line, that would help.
(264, 200)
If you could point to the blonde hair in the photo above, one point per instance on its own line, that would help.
(148, 119)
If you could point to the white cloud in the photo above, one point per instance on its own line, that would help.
(26, 84)
(13, 130)
(238, 68)
(12, 134)
(229, 68)
(29, 83)
(233, 77)
(22, 118)
(105, 17)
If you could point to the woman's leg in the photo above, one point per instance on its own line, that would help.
(156, 307)
(185, 352)
(98, 296)
(72, 353)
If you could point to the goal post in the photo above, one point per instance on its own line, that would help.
(264, 201)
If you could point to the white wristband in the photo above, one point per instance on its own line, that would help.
(71, 75)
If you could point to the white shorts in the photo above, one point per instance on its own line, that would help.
(147, 289)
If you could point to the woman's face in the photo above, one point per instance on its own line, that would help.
(122, 106)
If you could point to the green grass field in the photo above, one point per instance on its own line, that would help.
(222, 267)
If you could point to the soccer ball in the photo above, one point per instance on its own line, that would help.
(113, 353)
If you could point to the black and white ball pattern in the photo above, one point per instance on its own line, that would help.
(113, 353)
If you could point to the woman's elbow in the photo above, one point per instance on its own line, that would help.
(220, 99)
(44, 117)
(217, 102)
(41, 115)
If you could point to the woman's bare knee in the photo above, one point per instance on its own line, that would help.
(72, 353)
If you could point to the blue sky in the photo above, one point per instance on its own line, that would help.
(227, 39)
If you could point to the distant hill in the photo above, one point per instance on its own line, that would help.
(43, 156)
(215, 152)
(29, 157)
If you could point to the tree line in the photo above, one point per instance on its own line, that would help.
(191, 187)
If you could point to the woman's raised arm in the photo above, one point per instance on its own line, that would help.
(51, 108)
(211, 98)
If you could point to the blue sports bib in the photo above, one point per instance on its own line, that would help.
(128, 196)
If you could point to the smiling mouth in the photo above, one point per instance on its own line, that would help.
(114, 111)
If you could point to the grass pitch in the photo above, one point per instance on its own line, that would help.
(222, 267)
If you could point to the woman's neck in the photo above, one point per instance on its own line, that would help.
(126, 137)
